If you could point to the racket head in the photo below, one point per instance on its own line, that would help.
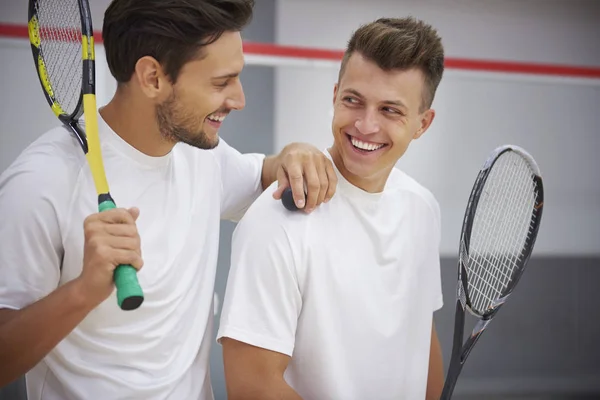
(58, 32)
(499, 230)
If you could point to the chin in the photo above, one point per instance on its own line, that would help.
(201, 141)
(361, 171)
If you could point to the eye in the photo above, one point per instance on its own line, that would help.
(350, 100)
(391, 110)
(222, 85)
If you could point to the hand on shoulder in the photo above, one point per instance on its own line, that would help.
(308, 172)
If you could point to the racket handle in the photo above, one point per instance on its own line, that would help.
(129, 292)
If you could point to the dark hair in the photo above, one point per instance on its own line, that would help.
(403, 44)
(171, 31)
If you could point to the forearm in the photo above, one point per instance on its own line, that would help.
(435, 378)
(269, 171)
(254, 373)
(28, 335)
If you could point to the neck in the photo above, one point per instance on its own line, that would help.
(372, 184)
(134, 120)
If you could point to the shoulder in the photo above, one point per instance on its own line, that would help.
(46, 170)
(54, 152)
(267, 220)
(400, 183)
(233, 163)
(224, 154)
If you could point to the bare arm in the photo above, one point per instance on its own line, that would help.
(255, 373)
(435, 380)
(28, 335)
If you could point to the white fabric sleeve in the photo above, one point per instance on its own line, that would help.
(262, 300)
(30, 239)
(433, 270)
(241, 179)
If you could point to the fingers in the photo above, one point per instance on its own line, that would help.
(296, 182)
(116, 216)
(115, 250)
(124, 243)
(116, 222)
(331, 180)
(111, 239)
(124, 230)
(310, 175)
(127, 257)
(134, 212)
(313, 187)
(282, 184)
(321, 181)
(113, 233)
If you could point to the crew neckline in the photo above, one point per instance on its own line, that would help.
(353, 190)
(109, 136)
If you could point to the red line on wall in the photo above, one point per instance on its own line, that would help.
(467, 64)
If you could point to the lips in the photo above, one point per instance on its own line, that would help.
(215, 120)
(365, 146)
(216, 117)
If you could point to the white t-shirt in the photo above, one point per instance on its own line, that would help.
(347, 291)
(161, 350)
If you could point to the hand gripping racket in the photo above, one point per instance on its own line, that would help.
(499, 230)
(62, 42)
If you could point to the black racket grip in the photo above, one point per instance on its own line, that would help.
(287, 198)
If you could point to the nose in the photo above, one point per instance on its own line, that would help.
(367, 123)
(237, 99)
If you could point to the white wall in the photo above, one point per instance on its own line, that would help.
(555, 119)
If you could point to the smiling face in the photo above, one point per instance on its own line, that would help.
(377, 114)
(206, 90)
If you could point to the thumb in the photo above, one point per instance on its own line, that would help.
(135, 212)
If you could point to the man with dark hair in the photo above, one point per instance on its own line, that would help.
(339, 304)
(177, 63)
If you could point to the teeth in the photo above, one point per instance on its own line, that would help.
(216, 118)
(365, 146)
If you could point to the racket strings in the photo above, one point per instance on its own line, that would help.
(493, 257)
(491, 281)
(501, 228)
(60, 48)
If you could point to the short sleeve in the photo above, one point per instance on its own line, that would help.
(262, 299)
(241, 177)
(433, 274)
(30, 239)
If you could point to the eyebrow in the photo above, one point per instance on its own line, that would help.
(226, 76)
(389, 102)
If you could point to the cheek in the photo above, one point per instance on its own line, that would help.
(400, 136)
(199, 101)
(202, 104)
(343, 117)
(405, 131)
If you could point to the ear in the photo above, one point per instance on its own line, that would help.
(151, 78)
(335, 90)
(425, 122)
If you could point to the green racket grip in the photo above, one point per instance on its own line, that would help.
(129, 292)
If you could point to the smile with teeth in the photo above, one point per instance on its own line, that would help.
(216, 118)
(364, 145)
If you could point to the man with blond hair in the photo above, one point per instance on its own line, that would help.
(339, 304)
